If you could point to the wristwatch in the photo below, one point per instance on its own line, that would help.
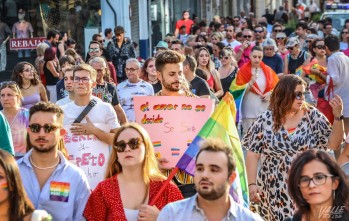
(339, 118)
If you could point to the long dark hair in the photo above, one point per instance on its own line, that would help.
(282, 98)
(144, 68)
(19, 68)
(341, 198)
(20, 205)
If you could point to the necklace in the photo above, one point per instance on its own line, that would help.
(227, 74)
(43, 168)
(27, 87)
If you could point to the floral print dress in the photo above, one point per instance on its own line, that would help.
(277, 151)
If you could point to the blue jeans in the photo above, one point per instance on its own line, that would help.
(26, 53)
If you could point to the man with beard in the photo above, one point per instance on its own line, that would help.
(259, 34)
(243, 51)
(50, 180)
(52, 38)
(215, 171)
(229, 40)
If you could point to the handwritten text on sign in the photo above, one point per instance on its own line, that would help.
(88, 153)
(172, 122)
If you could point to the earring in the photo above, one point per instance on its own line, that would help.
(334, 195)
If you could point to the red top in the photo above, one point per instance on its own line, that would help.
(105, 201)
(210, 82)
(188, 23)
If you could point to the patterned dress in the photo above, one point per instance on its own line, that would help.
(277, 151)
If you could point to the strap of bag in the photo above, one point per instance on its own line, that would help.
(87, 109)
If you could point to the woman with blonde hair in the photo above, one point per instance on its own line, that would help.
(211, 75)
(132, 166)
(27, 79)
(229, 68)
(39, 61)
(18, 117)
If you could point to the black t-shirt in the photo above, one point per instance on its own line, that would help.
(199, 86)
(226, 82)
(107, 93)
(157, 87)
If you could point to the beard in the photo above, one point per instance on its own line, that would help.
(46, 149)
(213, 194)
(169, 86)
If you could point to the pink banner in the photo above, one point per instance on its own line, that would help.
(25, 43)
(172, 122)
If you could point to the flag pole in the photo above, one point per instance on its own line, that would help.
(164, 185)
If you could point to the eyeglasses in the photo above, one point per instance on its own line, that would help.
(28, 70)
(83, 79)
(308, 41)
(247, 36)
(345, 32)
(321, 47)
(258, 31)
(133, 143)
(131, 69)
(224, 57)
(48, 128)
(318, 180)
(277, 30)
(94, 49)
(299, 94)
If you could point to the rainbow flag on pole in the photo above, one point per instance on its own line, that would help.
(221, 125)
(238, 92)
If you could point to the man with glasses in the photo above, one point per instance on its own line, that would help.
(84, 81)
(52, 183)
(236, 21)
(259, 34)
(120, 49)
(229, 40)
(133, 86)
(243, 51)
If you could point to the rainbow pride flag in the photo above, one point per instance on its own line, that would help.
(238, 92)
(4, 186)
(221, 125)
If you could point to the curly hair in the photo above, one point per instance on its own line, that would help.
(18, 69)
(282, 98)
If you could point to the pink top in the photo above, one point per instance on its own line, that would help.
(22, 29)
(245, 56)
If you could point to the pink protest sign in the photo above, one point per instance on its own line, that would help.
(172, 122)
(88, 153)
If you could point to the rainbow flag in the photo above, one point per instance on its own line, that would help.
(221, 125)
(4, 186)
(315, 65)
(157, 143)
(238, 92)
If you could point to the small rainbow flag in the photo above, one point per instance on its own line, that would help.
(59, 191)
(4, 186)
(175, 151)
(157, 143)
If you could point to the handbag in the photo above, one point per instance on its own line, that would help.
(323, 105)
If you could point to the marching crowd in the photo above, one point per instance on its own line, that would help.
(294, 123)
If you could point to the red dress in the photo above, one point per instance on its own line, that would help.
(105, 201)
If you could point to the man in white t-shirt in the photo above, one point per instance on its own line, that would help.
(133, 86)
(84, 81)
(229, 40)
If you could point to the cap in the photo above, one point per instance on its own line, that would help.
(312, 36)
(281, 35)
(292, 42)
(269, 42)
(162, 44)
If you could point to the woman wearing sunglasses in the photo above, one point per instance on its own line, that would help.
(18, 117)
(132, 181)
(26, 77)
(296, 57)
(229, 68)
(288, 128)
(344, 37)
(281, 40)
(318, 188)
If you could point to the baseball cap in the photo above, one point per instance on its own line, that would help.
(281, 35)
(292, 42)
(162, 44)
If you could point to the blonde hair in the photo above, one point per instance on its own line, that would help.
(86, 67)
(40, 49)
(151, 171)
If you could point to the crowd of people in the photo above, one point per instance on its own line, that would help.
(294, 123)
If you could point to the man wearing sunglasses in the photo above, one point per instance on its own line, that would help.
(259, 34)
(52, 183)
(84, 80)
(243, 51)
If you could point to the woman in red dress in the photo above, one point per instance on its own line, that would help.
(132, 181)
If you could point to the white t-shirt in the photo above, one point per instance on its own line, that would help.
(64, 101)
(126, 91)
(232, 44)
(102, 113)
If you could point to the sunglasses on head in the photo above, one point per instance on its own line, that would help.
(320, 47)
(133, 143)
(247, 36)
(48, 128)
(299, 95)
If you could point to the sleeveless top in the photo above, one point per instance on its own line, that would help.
(210, 81)
(50, 79)
(293, 64)
(29, 101)
(226, 82)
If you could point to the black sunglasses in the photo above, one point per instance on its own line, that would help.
(133, 143)
(299, 94)
(320, 47)
(247, 36)
(345, 32)
(277, 30)
(48, 128)
(258, 31)
(290, 48)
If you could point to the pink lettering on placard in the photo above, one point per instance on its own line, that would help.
(88, 159)
(101, 159)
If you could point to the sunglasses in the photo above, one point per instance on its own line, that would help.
(247, 36)
(48, 128)
(290, 48)
(320, 47)
(345, 32)
(133, 143)
(280, 38)
(299, 94)
(308, 41)
(258, 31)
(224, 57)
(94, 49)
(277, 30)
